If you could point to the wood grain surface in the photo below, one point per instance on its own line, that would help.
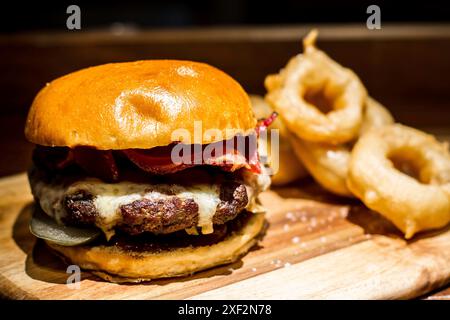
(316, 247)
(417, 97)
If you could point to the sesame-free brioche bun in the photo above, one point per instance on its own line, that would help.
(138, 105)
(115, 264)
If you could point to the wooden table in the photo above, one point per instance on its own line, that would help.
(405, 67)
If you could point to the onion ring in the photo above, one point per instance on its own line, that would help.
(289, 167)
(313, 73)
(328, 164)
(413, 205)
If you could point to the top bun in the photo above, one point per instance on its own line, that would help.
(138, 105)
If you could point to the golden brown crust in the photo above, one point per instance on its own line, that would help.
(116, 265)
(413, 204)
(137, 105)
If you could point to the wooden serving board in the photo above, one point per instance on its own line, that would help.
(316, 247)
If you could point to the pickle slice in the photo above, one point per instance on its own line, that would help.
(44, 227)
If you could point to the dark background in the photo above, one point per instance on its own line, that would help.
(50, 15)
(405, 65)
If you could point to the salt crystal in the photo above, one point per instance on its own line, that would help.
(287, 265)
(371, 267)
(253, 269)
(286, 227)
(276, 262)
(323, 239)
(295, 239)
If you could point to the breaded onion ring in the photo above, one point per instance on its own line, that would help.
(328, 164)
(375, 116)
(289, 167)
(411, 204)
(295, 93)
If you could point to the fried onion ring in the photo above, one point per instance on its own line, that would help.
(295, 93)
(289, 167)
(413, 204)
(328, 164)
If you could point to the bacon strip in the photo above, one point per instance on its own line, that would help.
(154, 164)
(264, 123)
(101, 163)
(161, 163)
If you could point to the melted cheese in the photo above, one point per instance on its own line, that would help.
(50, 196)
(207, 199)
(108, 198)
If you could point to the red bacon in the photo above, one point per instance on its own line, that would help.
(160, 162)
(262, 124)
(148, 161)
(101, 163)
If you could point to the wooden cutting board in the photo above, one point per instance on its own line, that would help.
(317, 247)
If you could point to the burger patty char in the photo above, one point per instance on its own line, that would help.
(149, 242)
(159, 216)
(194, 200)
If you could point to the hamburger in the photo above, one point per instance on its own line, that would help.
(125, 185)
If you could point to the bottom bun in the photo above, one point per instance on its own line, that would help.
(115, 264)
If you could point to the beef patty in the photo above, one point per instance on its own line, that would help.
(150, 242)
(195, 200)
(159, 216)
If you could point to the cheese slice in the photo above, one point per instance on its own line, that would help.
(109, 197)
